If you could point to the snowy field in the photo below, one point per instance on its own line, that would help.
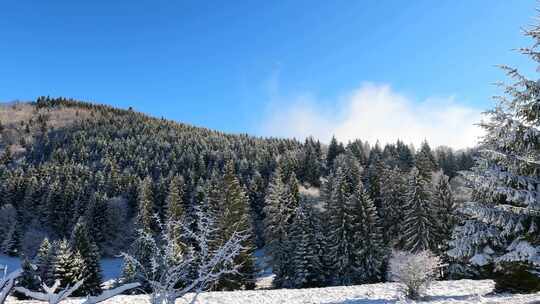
(463, 291)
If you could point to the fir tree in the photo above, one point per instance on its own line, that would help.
(44, 260)
(145, 216)
(393, 190)
(306, 259)
(369, 253)
(500, 227)
(420, 230)
(67, 266)
(236, 218)
(29, 278)
(276, 222)
(89, 252)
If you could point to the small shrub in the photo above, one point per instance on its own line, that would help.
(414, 270)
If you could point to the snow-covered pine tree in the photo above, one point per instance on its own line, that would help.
(368, 252)
(145, 215)
(339, 242)
(419, 225)
(44, 260)
(500, 230)
(68, 265)
(175, 199)
(29, 278)
(445, 205)
(393, 189)
(236, 219)
(425, 161)
(276, 227)
(96, 217)
(91, 270)
(306, 258)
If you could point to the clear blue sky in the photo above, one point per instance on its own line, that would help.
(217, 63)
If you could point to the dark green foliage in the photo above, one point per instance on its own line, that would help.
(29, 278)
(91, 269)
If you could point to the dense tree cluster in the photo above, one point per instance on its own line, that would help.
(109, 173)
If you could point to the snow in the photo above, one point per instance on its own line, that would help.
(455, 292)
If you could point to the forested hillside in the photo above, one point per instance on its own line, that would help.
(68, 164)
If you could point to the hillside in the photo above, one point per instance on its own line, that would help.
(63, 157)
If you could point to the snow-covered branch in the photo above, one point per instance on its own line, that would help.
(7, 282)
(50, 295)
(173, 268)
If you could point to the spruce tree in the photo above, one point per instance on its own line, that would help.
(276, 222)
(393, 190)
(420, 229)
(236, 219)
(145, 215)
(368, 251)
(67, 265)
(500, 229)
(44, 260)
(91, 272)
(306, 259)
(446, 213)
(29, 278)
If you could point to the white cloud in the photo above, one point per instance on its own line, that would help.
(375, 112)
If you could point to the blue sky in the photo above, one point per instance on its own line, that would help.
(282, 68)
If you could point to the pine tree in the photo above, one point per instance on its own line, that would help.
(420, 230)
(368, 252)
(445, 205)
(236, 218)
(44, 260)
(306, 259)
(91, 270)
(67, 266)
(276, 222)
(175, 199)
(393, 189)
(145, 215)
(334, 149)
(425, 161)
(96, 218)
(499, 233)
(29, 278)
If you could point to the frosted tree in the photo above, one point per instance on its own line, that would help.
(500, 230)
(369, 253)
(89, 252)
(276, 225)
(445, 205)
(6, 283)
(306, 258)
(415, 271)
(420, 229)
(171, 273)
(393, 189)
(67, 266)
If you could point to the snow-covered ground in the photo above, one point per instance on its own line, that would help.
(463, 291)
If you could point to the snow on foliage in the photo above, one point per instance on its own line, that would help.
(415, 270)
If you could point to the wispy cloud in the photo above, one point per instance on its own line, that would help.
(375, 112)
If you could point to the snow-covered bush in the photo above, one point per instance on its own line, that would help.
(414, 270)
